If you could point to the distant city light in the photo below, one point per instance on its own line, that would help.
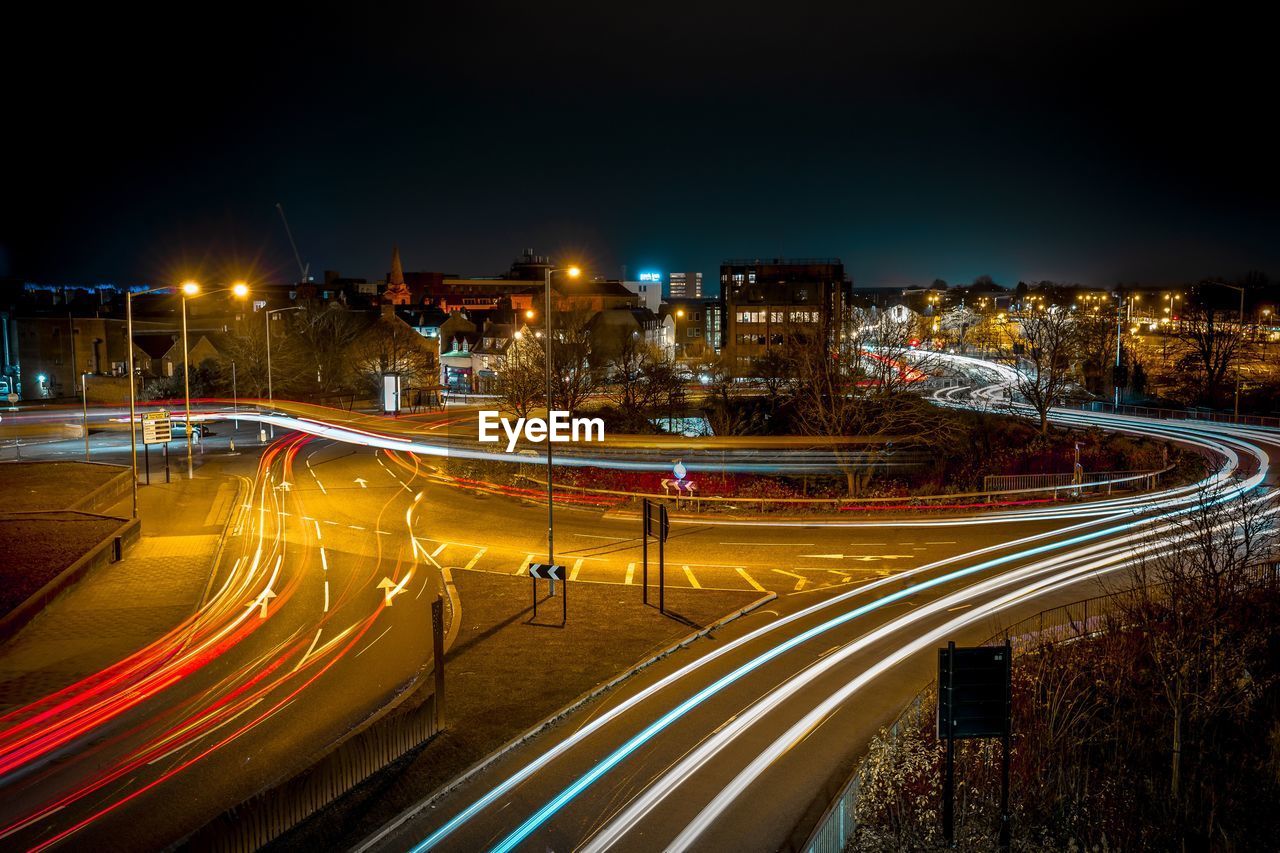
(651, 276)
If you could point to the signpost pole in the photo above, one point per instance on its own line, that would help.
(1004, 757)
(644, 536)
(564, 603)
(166, 462)
(146, 455)
(949, 775)
(535, 595)
(437, 644)
(662, 560)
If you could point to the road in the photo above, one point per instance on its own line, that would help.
(298, 643)
(295, 645)
(737, 749)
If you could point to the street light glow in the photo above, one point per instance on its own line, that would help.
(190, 288)
(573, 272)
(240, 289)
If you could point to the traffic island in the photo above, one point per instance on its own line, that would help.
(505, 675)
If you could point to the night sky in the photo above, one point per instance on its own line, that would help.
(1090, 143)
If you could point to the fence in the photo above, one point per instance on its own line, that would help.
(1181, 414)
(265, 817)
(970, 500)
(1017, 482)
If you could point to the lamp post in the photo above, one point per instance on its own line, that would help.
(572, 272)
(190, 290)
(84, 412)
(271, 397)
(133, 394)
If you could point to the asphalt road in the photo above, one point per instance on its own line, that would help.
(741, 747)
(295, 645)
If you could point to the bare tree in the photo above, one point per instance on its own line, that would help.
(521, 379)
(1213, 346)
(573, 378)
(388, 345)
(328, 332)
(1047, 340)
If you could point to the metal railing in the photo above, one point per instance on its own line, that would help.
(1179, 414)
(1052, 492)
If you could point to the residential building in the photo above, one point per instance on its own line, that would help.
(649, 291)
(770, 301)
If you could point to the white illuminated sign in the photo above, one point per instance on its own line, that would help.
(651, 276)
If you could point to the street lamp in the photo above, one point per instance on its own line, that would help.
(190, 290)
(271, 397)
(572, 272)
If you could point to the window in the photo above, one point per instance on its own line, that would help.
(737, 277)
(693, 333)
(751, 277)
(750, 316)
(777, 316)
(802, 295)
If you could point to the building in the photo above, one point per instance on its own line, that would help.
(649, 290)
(697, 327)
(686, 285)
(770, 301)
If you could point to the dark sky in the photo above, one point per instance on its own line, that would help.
(1069, 141)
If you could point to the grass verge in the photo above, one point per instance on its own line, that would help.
(31, 487)
(37, 549)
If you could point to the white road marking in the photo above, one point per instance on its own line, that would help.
(801, 580)
(577, 567)
(436, 552)
(324, 561)
(371, 642)
(524, 567)
(693, 582)
(317, 524)
(310, 649)
(326, 596)
(475, 559)
(746, 577)
(631, 572)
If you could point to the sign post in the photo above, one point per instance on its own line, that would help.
(974, 701)
(157, 428)
(552, 573)
(437, 645)
(658, 525)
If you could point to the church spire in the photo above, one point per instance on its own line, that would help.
(397, 270)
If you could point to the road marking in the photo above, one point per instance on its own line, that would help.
(947, 542)
(801, 580)
(577, 567)
(356, 527)
(317, 524)
(961, 607)
(382, 533)
(613, 538)
(631, 572)
(476, 558)
(326, 596)
(436, 552)
(524, 567)
(324, 562)
(746, 577)
(693, 582)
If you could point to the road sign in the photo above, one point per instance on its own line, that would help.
(543, 571)
(974, 700)
(973, 692)
(156, 428)
(656, 523)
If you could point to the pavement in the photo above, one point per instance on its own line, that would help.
(121, 607)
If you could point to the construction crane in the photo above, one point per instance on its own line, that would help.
(302, 268)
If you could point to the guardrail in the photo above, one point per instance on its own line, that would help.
(844, 504)
(1178, 414)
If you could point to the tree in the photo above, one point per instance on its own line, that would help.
(860, 392)
(1096, 346)
(1047, 340)
(521, 379)
(573, 378)
(328, 333)
(388, 345)
(1213, 346)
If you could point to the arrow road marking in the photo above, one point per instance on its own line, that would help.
(364, 484)
(261, 602)
(391, 589)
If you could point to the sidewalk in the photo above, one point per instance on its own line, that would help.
(123, 606)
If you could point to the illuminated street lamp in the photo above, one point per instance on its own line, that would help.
(190, 290)
(572, 272)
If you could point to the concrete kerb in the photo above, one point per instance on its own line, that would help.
(370, 842)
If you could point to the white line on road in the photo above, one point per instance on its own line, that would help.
(371, 642)
(524, 567)
(436, 552)
(577, 567)
(754, 583)
(326, 596)
(310, 649)
(631, 572)
(317, 524)
(475, 559)
(693, 582)
(801, 580)
(612, 538)
(774, 544)
(324, 561)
